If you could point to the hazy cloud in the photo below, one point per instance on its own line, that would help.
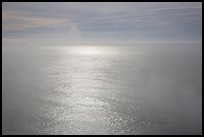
(172, 21)
(15, 21)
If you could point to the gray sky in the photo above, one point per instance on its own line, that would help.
(99, 23)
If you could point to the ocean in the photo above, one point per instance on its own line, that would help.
(140, 89)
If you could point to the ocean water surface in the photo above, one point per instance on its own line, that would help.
(102, 89)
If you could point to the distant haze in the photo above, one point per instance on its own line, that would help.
(101, 23)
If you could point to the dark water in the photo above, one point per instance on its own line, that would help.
(126, 89)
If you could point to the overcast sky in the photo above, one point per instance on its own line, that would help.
(99, 23)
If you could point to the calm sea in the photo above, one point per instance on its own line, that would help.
(102, 89)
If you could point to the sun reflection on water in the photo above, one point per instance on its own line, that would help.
(93, 50)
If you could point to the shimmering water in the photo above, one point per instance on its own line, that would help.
(112, 89)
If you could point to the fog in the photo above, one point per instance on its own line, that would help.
(106, 89)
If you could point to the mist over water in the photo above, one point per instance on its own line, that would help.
(109, 89)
